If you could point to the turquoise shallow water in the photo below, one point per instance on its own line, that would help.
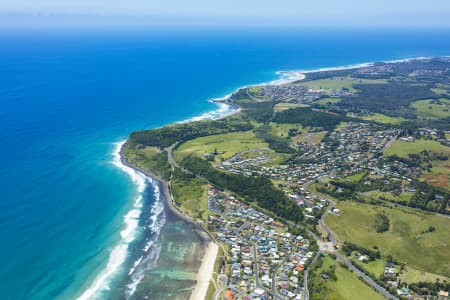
(66, 98)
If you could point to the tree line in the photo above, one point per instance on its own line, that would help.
(252, 189)
(309, 118)
(168, 135)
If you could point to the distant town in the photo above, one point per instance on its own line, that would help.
(332, 186)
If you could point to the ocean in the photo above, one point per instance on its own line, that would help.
(74, 223)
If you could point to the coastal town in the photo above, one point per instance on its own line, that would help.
(308, 189)
(265, 259)
(225, 150)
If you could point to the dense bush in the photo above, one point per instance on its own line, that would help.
(381, 223)
(386, 98)
(259, 111)
(277, 144)
(309, 118)
(252, 189)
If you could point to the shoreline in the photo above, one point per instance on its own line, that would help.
(292, 76)
(210, 244)
(205, 272)
(356, 66)
(165, 189)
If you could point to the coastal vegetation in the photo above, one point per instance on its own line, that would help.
(190, 194)
(373, 140)
(150, 159)
(389, 98)
(168, 135)
(259, 111)
(309, 118)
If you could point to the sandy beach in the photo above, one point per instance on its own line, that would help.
(205, 272)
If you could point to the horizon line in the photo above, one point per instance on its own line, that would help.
(15, 20)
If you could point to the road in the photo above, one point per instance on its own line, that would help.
(257, 283)
(322, 225)
(342, 258)
(173, 163)
(274, 274)
(305, 276)
(255, 266)
(365, 278)
(222, 281)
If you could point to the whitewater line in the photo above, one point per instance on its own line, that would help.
(119, 253)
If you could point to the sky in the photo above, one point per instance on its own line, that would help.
(351, 13)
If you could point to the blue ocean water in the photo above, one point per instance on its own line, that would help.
(67, 96)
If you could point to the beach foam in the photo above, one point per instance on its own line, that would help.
(222, 111)
(131, 222)
(152, 248)
(344, 67)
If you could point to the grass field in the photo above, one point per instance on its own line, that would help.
(375, 267)
(285, 106)
(191, 196)
(404, 240)
(426, 109)
(347, 286)
(254, 90)
(336, 83)
(325, 101)
(380, 118)
(150, 158)
(376, 194)
(282, 130)
(403, 148)
(355, 178)
(408, 274)
(411, 275)
(316, 137)
(226, 145)
(440, 91)
(439, 174)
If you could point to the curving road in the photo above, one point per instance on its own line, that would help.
(342, 258)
